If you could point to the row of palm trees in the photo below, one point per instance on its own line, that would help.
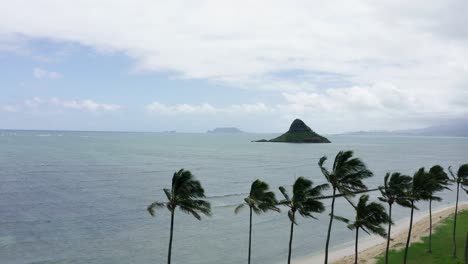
(345, 178)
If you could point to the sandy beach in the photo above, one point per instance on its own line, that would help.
(374, 246)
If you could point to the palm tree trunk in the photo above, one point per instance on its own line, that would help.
(356, 246)
(409, 232)
(330, 225)
(250, 233)
(455, 223)
(389, 230)
(170, 238)
(290, 240)
(430, 226)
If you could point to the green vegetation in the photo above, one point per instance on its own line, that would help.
(186, 193)
(461, 180)
(393, 191)
(260, 200)
(369, 218)
(442, 248)
(439, 181)
(418, 191)
(304, 201)
(298, 132)
(345, 178)
(301, 137)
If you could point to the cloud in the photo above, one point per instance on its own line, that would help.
(370, 107)
(157, 107)
(366, 60)
(88, 105)
(207, 43)
(80, 105)
(9, 108)
(40, 73)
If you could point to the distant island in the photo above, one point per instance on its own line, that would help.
(298, 132)
(453, 129)
(225, 130)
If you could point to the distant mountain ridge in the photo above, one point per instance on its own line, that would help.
(459, 129)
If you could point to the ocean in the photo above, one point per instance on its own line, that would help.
(81, 197)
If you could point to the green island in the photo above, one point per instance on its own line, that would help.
(298, 132)
(442, 245)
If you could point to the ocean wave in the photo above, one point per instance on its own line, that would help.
(152, 171)
(6, 241)
(226, 195)
(227, 205)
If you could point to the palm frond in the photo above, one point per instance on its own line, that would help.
(191, 211)
(168, 194)
(261, 199)
(341, 219)
(284, 193)
(305, 198)
(347, 174)
(370, 216)
(151, 208)
(454, 177)
(396, 188)
(238, 208)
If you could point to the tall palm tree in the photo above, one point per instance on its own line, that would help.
(393, 191)
(304, 201)
(186, 193)
(419, 190)
(461, 179)
(369, 218)
(438, 181)
(260, 200)
(345, 178)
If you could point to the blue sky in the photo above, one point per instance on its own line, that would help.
(157, 65)
(72, 72)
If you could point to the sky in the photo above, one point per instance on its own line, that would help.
(190, 66)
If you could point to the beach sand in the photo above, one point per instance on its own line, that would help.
(373, 247)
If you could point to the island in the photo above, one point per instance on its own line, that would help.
(225, 130)
(298, 132)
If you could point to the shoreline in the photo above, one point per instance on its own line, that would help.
(373, 246)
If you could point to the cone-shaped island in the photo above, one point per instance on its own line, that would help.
(299, 132)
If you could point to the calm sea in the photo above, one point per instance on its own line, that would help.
(81, 197)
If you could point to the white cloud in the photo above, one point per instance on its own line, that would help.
(157, 107)
(40, 73)
(9, 108)
(397, 59)
(88, 105)
(81, 105)
(370, 107)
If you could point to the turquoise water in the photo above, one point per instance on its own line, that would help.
(81, 197)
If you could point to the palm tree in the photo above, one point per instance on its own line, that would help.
(345, 178)
(393, 191)
(461, 179)
(186, 193)
(419, 190)
(438, 181)
(369, 217)
(304, 200)
(260, 200)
